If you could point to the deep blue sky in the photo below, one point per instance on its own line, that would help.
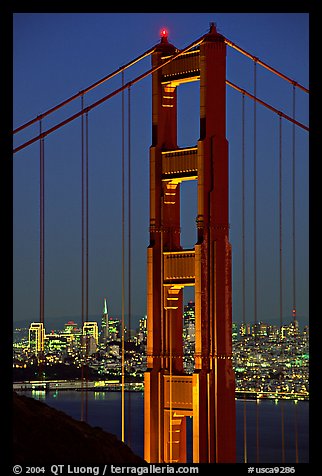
(57, 55)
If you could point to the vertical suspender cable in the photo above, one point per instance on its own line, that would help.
(294, 255)
(255, 207)
(280, 227)
(129, 247)
(243, 212)
(41, 247)
(84, 225)
(243, 259)
(86, 255)
(123, 263)
(83, 270)
(293, 207)
(281, 269)
(84, 205)
(255, 256)
(129, 206)
(163, 322)
(282, 430)
(170, 386)
(296, 436)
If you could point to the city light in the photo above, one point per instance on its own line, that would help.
(265, 367)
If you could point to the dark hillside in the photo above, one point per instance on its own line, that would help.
(44, 435)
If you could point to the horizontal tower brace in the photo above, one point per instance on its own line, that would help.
(180, 164)
(179, 267)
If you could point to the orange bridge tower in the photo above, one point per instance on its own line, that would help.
(208, 395)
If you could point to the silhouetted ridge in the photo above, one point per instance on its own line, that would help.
(42, 434)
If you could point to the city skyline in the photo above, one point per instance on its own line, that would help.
(268, 348)
(64, 321)
(60, 47)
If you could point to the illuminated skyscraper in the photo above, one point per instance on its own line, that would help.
(105, 324)
(91, 329)
(90, 336)
(142, 334)
(36, 337)
(189, 322)
(114, 329)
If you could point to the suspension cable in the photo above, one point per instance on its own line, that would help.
(129, 207)
(243, 261)
(106, 97)
(280, 201)
(41, 247)
(255, 246)
(84, 91)
(255, 202)
(268, 106)
(265, 65)
(296, 435)
(294, 259)
(282, 430)
(129, 248)
(123, 264)
(139, 58)
(86, 255)
(83, 253)
(281, 267)
(42, 229)
(169, 324)
(243, 212)
(293, 209)
(85, 247)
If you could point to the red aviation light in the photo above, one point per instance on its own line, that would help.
(164, 33)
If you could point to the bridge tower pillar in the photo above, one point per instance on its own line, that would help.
(208, 395)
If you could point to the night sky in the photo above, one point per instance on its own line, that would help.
(55, 55)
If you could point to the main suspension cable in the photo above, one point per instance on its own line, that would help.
(107, 97)
(134, 61)
(265, 65)
(84, 91)
(268, 106)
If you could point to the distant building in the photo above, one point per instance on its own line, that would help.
(114, 329)
(259, 329)
(90, 336)
(91, 329)
(36, 337)
(189, 322)
(142, 334)
(105, 324)
(71, 328)
(59, 342)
